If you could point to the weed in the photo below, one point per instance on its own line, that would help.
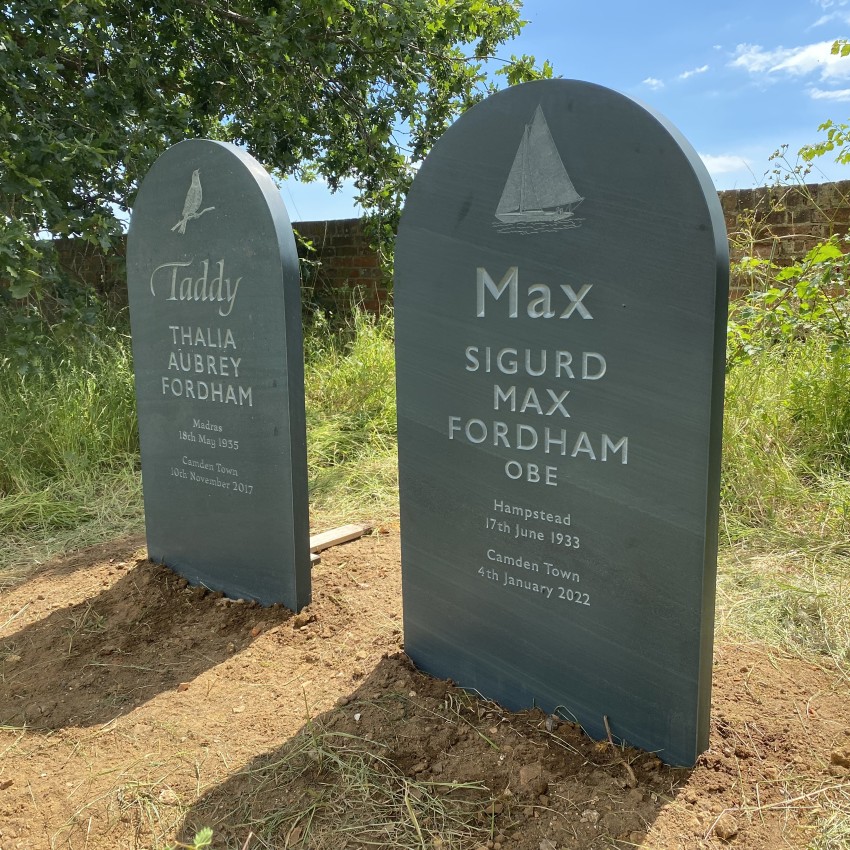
(203, 838)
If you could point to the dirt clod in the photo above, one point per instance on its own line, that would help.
(726, 827)
(841, 757)
(301, 619)
(532, 780)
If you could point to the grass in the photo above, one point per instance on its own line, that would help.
(785, 510)
(349, 375)
(69, 472)
(783, 578)
(787, 447)
(68, 452)
(69, 467)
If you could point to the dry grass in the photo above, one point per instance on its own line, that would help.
(351, 794)
(793, 600)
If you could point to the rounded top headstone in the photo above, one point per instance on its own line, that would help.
(561, 274)
(205, 190)
(215, 311)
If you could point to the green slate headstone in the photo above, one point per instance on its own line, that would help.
(560, 302)
(216, 322)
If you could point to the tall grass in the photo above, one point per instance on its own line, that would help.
(68, 450)
(785, 507)
(349, 376)
(69, 461)
(787, 446)
(73, 419)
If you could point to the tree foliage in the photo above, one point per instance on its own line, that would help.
(837, 134)
(92, 91)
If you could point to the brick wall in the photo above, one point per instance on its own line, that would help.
(339, 266)
(107, 274)
(783, 223)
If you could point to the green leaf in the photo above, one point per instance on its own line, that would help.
(20, 289)
(788, 272)
(203, 838)
(824, 252)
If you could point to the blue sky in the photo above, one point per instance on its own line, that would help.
(739, 79)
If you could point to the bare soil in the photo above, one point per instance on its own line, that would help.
(134, 709)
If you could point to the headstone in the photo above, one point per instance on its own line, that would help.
(216, 322)
(560, 302)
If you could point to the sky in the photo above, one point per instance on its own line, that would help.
(739, 78)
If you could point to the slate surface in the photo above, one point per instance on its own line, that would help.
(215, 313)
(571, 568)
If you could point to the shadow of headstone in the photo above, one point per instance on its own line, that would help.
(88, 663)
(408, 760)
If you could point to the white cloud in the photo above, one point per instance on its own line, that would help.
(724, 163)
(823, 20)
(829, 94)
(792, 61)
(654, 83)
(701, 70)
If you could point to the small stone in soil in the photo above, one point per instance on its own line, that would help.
(841, 757)
(726, 827)
(532, 779)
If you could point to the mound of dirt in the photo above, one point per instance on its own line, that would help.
(134, 709)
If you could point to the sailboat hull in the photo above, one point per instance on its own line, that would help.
(533, 216)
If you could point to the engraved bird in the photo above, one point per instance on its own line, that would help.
(192, 203)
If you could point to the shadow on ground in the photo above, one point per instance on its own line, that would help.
(410, 761)
(88, 663)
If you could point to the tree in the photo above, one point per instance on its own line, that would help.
(837, 140)
(91, 92)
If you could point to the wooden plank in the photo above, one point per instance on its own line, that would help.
(343, 534)
(314, 559)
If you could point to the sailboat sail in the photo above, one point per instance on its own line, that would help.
(538, 186)
(513, 194)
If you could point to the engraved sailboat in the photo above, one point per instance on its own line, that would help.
(538, 188)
